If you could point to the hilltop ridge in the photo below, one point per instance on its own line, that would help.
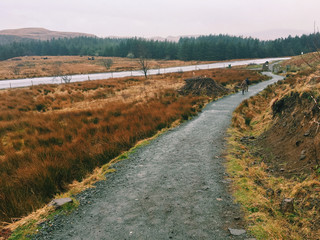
(38, 34)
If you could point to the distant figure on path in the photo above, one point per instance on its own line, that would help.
(244, 86)
(248, 82)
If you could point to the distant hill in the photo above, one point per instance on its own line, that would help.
(9, 35)
(276, 33)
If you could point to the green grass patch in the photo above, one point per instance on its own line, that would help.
(28, 230)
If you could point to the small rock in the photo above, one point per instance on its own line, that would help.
(307, 133)
(236, 232)
(226, 180)
(243, 139)
(286, 205)
(281, 169)
(302, 157)
(59, 202)
(237, 218)
(298, 143)
(270, 192)
(278, 192)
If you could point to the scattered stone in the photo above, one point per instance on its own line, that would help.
(258, 182)
(243, 139)
(227, 180)
(281, 169)
(236, 232)
(298, 143)
(286, 205)
(278, 192)
(247, 138)
(302, 157)
(307, 133)
(59, 202)
(270, 193)
(237, 218)
(219, 199)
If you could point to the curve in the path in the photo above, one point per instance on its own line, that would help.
(173, 188)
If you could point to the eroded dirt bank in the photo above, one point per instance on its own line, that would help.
(173, 188)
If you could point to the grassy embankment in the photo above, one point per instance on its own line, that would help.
(52, 135)
(280, 159)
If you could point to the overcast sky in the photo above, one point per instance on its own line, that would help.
(146, 18)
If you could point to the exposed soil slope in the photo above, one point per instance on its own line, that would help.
(293, 139)
(277, 144)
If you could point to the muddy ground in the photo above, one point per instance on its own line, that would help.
(173, 188)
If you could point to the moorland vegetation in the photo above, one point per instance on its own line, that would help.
(273, 155)
(52, 135)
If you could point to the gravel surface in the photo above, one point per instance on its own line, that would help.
(173, 188)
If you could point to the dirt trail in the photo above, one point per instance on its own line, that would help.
(173, 188)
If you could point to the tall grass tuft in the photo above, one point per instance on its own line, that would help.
(42, 151)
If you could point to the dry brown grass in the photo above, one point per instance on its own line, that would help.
(303, 62)
(253, 174)
(36, 66)
(53, 135)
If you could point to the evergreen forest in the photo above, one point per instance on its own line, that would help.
(205, 48)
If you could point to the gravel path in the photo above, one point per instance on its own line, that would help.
(173, 188)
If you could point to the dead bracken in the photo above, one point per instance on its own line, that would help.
(200, 86)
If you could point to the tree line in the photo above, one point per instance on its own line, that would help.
(210, 48)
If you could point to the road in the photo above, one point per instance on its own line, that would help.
(173, 188)
(15, 83)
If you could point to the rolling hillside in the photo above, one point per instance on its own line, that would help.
(22, 34)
